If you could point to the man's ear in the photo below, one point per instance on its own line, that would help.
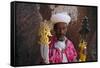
(55, 26)
(66, 24)
(52, 32)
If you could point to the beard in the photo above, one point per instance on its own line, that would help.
(61, 38)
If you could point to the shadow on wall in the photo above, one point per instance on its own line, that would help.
(27, 23)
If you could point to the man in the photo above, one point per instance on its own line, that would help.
(61, 49)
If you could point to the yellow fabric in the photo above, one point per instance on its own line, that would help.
(44, 32)
(82, 47)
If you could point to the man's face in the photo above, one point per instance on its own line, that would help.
(60, 29)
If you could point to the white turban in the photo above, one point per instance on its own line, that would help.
(60, 17)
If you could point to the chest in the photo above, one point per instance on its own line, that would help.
(61, 45)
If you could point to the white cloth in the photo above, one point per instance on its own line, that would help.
(61, 17)
(61, 46)
(64, 58)
(44, 53)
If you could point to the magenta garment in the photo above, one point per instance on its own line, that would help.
(55, 55)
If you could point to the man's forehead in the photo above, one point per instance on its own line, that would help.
(61, 24)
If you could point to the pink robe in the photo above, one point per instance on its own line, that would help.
(55, 55)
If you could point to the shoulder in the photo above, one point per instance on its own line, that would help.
(69, 43)
(53, 39)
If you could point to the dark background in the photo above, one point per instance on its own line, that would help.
(28, 18)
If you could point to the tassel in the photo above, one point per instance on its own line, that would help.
(82, 52)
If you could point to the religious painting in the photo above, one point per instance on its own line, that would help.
(51, 33)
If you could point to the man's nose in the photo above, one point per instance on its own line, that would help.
(61, 32)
